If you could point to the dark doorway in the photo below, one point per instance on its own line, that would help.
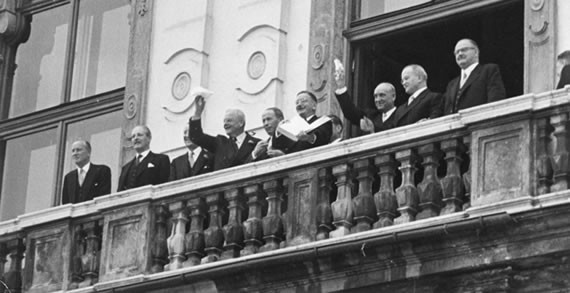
(498, 29)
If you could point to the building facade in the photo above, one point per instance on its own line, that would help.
(471, 202)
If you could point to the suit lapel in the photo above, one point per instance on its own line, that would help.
(184, 166)
(245, 147)
(143, 165)
(89, 177)
(199, 163)
(74, 186)
(474, 74)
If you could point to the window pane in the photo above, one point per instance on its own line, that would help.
(371, 8)
(38, 79)
(29, 170)
(104, 134)
(101, 49)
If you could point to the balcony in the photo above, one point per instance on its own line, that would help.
(469, 192)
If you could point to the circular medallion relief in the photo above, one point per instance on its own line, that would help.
(256, 65)
(181, 85)
(131, 107)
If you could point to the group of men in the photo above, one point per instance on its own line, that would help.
(206, 153)
(476, 85)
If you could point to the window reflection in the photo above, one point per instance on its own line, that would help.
(104, 134)
(38, 79)
(101, 48)
(369, 8)
(29, 170)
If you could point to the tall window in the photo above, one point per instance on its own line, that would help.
(386, 35)
(68, 85)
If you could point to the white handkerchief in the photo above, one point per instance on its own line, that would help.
(150, 165)
(200, 91)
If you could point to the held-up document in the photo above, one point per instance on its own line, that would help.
(291, 127)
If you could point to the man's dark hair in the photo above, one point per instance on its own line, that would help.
(277, 111)
(311, 95)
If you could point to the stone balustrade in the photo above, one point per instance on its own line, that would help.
(500, 156)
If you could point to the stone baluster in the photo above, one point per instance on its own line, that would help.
(159, 248)
(194, 240)
(13, 277)
(234, 229)
(543, 166)
(78, 250)
(253, 224)
(342, 207)
(272, 222)
(429, 189)
(452, 183)
(363, 203)
(92, 255)
(560, 157)
(324, 213)
(214, 234)
(285, 209)
(176, 242)
(407, 194)
(385, 198)
(467, 174)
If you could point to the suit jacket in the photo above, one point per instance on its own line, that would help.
(225, 154)
(153, 169)
(564, 77)
(180, 166)
(323, 134)
(425, 105)
(281, 143)
(97, 182)
(354, 114)
(484, 85)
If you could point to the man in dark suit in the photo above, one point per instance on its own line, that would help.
(306, 106)
(422, 104)
(229, 151)
(272, 146)
(563, 65)
(478, 83)
(88, 180)
(147, 167)
(195, 162)
(369, 120)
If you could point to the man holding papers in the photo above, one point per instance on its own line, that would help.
(270, 147)
(229, 151)
(307, 130)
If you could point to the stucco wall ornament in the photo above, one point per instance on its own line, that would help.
(256, 65)
(181, 85)
(131, 106)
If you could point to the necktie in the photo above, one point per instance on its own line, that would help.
(191, 159)
(463, 79)
(139, 158)
(411, 100)
(81, 176)
(234, 142)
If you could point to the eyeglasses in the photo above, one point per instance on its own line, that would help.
(463, 50)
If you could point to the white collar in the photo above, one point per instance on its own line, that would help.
(85, 168)
(143, 154)
(469, 69)
(196, 151)
(386, 116)
(418, 92)
(240, 138)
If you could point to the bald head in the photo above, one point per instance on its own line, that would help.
(384, 96)
(234, 122)
(466, 53)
